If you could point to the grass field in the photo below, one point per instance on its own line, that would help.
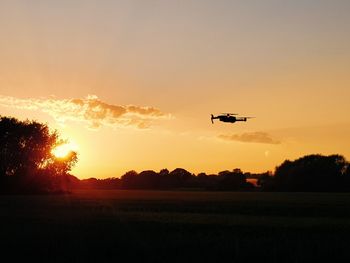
(181, 226)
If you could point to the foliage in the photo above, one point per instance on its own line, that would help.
(313, 173)
(181, 178)
(26, 160)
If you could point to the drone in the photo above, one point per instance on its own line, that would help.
(228, 117)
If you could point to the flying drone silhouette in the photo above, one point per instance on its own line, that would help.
(229, 117)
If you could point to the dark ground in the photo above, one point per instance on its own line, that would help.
(181, 226)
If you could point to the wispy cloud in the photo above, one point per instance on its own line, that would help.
(254, 137)
(90, 110)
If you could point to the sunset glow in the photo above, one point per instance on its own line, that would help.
(63, 150)
(134, 83)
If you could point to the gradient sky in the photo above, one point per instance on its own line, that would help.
(77, 65)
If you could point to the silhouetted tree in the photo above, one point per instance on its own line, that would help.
(202, 175)
(179, 176)
(104, 184)
(234, 180)
(26, 160)
(266, 181)
(312, 173)
(148, 180)
(68, 182)
(129, 179)
(164, 172)
(309, 173)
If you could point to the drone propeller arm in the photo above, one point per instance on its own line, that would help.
(243, 118)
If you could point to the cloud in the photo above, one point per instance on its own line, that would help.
(90, 110)
(255, 137)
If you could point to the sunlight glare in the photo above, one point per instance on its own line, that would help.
(63, 150)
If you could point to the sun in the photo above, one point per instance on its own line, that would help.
(63, 150)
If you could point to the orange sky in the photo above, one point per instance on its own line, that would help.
(79, 66)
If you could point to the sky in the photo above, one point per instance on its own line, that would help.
(133, 83)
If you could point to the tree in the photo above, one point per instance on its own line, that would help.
(129, 179)
(179, 177)
(27, 163)
(312, 173)
(266, 181)
(234, 180)
(181, 174)
(164, 172)
(148, 179)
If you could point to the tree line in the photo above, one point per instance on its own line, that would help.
(179, 178)
(27, 165)
(310, 173)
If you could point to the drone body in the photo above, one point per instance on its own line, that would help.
(228, 117)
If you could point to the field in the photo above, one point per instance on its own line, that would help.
(180, 226)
